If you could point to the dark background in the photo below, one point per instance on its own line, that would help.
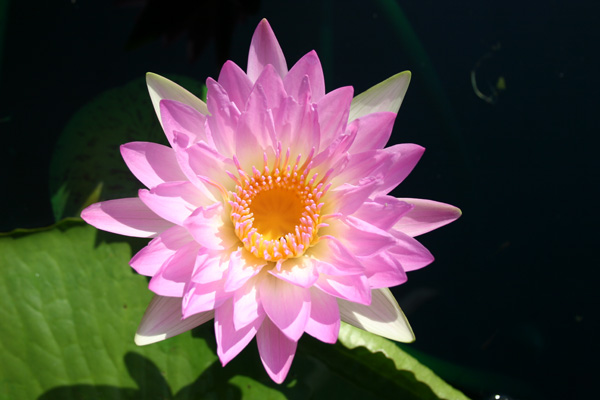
(510, 301)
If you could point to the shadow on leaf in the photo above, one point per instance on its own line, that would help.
(151, 385)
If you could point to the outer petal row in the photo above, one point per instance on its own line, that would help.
(383, 317)
(163, 320)
(385, 96)
(128, 217)
(161, 88)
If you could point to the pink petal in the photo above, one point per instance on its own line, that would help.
(337, 150)
(209, 267)
(173, 275)
(151, 163)
(178, 118)
(310, 66)
(426, 216)
(268, 88)
(362, 238)
(332, 258)
(297, 127)
(299, 271)
(353, 288)
(404, 157)
(265, 49)
(247, 306)
(129, 217)
(288, 306)
(371, 163)
(230, 341)
(391, 165)
(384, 269)
(163, 320)
(174, 201)
(333, 113)
(208, 164)
(237, 84)
(383, 211)
(347, 198)
(385, 96)
(383, 317)
(224, 118)
(148, 260)
(412, 254)
(276, 350)
(324, 321)
(200, 298)
(207, 227)
(242, 266)
(374, 131)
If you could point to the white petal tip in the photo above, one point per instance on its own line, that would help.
(143, 340)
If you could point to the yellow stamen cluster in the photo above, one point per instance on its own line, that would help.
(276, 212)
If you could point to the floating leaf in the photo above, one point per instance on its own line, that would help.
(70, 309)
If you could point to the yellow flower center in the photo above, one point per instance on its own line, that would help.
(276, 212)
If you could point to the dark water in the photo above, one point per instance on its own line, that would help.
(511, 296)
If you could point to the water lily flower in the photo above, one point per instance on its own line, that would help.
(270, 211)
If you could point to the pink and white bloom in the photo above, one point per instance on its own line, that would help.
(270, 211)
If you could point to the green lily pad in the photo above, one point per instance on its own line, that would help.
(87, 156)
(70, 309)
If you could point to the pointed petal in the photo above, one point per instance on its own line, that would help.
(297, 127)
(223, 119)
(426, 216)
(383, 211)
(205, 162)
(163, 320)
(299, 271)
(148, 260)
(288, 306)
(183, 125)
(324, 321)
(310, 66)
(237, 84)
(265, 49)
(336, 154)
(276, 350)
(353, 288)
(332, 258)
(361, 238)
(207, 227)
(385, 96)
(161, 88)
(242, 266)
(171, 278)
(374, 131)
(209, 267)
(129, 217)
(403, 159)
(384, 269)
(333, 111)
(230, 341)
(200, 298)
(383, 317)
(347, 198)
(247, 306)
(151, 163)
(269, 86)
(412, 254)
(391, 165)
(174, 201)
